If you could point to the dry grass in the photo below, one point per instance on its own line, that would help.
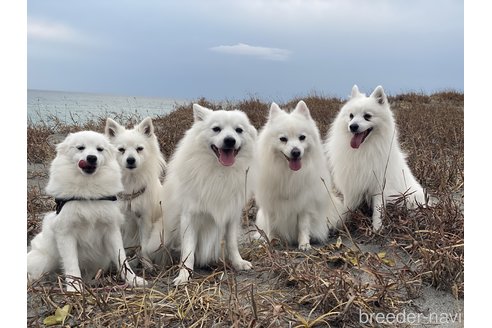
(327, 286)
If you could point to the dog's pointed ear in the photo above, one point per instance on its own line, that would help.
(355, 91)
(63, 146)
(112, 128)
(146, 127)
(302, 109)
(254, 132)
(274, 111)
(200, 112)
(379, 95)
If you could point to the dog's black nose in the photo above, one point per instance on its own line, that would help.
(91, 159)
(130, 160)
(354, 127)
(229, 142)
(295, 153)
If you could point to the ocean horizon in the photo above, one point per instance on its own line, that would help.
(78, 107)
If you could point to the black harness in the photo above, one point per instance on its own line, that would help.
(60, 202)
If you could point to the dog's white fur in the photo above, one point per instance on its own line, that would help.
(142, 164)
(377, 170)
(204, 194)
(85, 236)
(294, 195)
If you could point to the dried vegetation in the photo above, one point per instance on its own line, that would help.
(328, 286)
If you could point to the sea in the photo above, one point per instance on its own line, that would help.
(45, 106)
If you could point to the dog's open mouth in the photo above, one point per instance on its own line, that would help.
(358, 138)
(86, 167)
(226, 156)
(294, 163)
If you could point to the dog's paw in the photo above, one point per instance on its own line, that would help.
(305, 247)
(137, 282)
(73, 286)
(242, 265)
(411, 205)
(71, 289)
(256, 235)
(376, 225)
(260, 235)
(182, 277)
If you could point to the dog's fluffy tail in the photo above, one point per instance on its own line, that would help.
(336, 212)
(39, 261)
(42, 257)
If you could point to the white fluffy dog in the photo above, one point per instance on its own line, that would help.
(83, 235)
(142, 164)
(293, 187)
(204, 190)
(365, 157)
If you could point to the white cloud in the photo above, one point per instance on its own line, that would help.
(247, 50)
(50, 31)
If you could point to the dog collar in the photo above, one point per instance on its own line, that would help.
(131, 196)
(60, 202)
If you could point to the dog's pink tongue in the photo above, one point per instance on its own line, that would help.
(356, 140)
(82, 164)
(226, 157)
(295, 164)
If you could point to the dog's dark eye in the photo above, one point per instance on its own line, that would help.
(100, 149)
(239, 130)
(81, 148)
(367, 117)
(351, 116)
(302, 137)
(283, 139)
(121, 150)
(139, 149)
(216, 129)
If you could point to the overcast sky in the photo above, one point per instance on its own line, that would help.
(233, 49)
